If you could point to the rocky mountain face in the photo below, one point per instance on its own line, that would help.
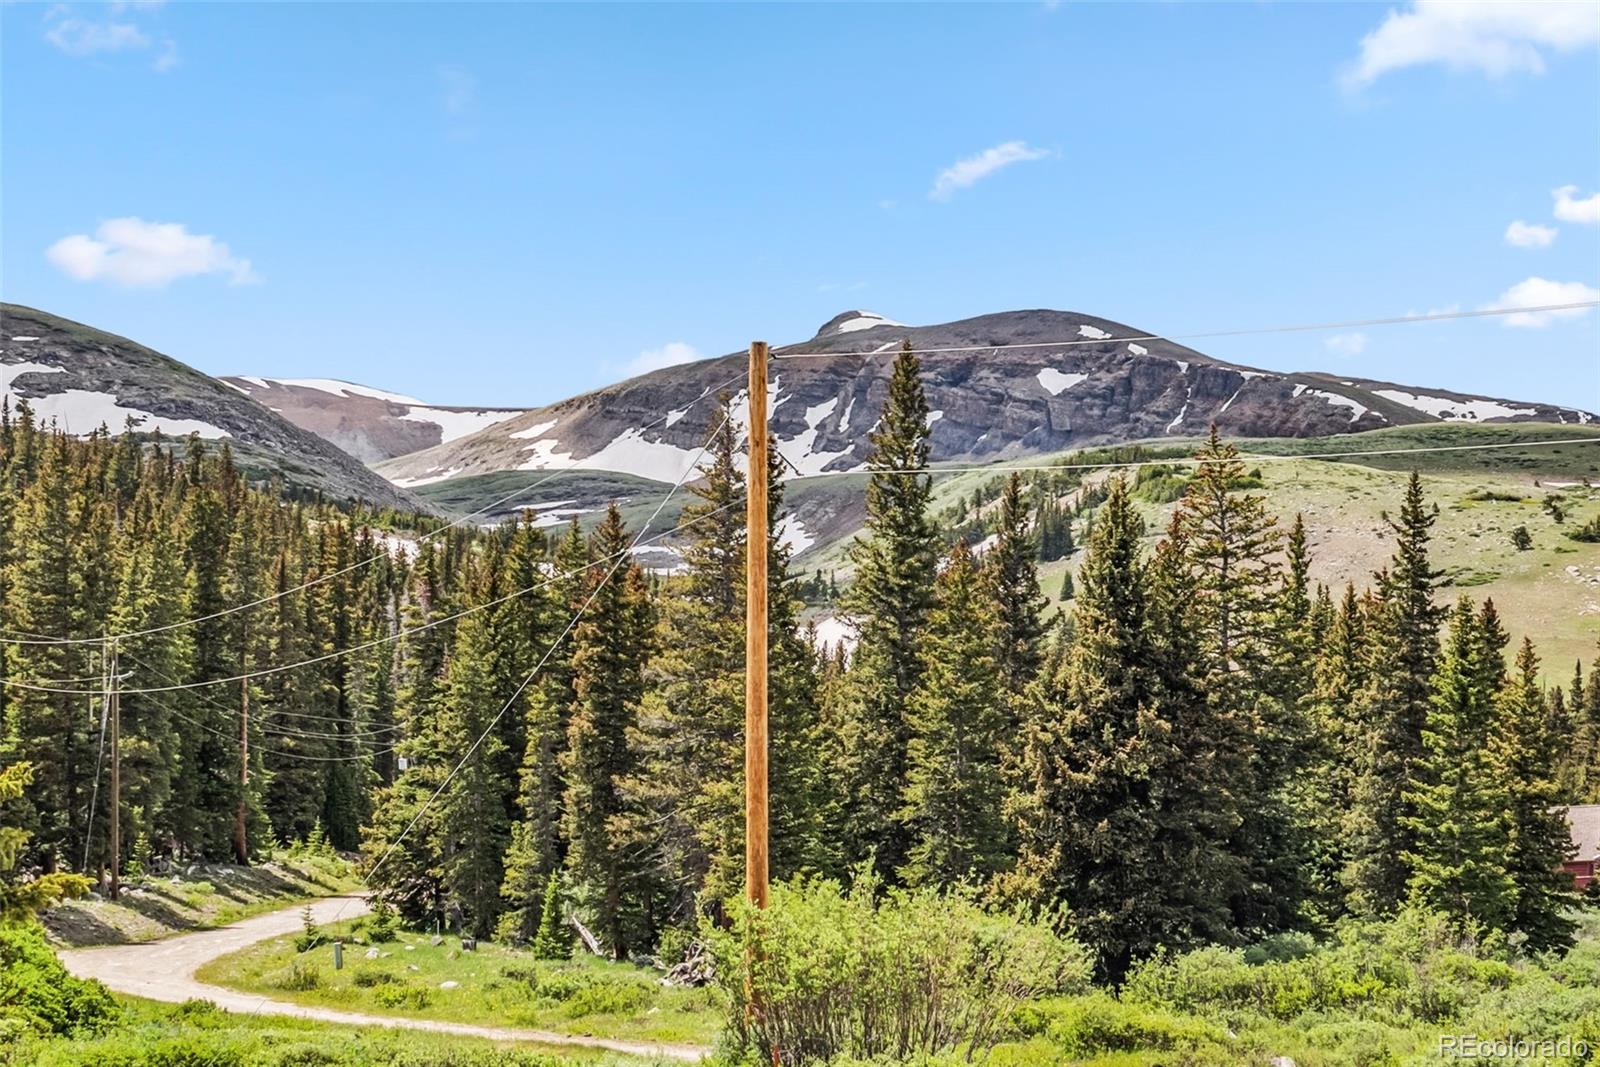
(370, 424)
(80, 379)
(1086, 381)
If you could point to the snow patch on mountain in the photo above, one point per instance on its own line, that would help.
(427, 479)
(1093, 333)
(866, 320)
(793, 535)
(338, 387)
(454, 424)
(1139, 350)
(628, 451)
(538, 429)
(1443, 407)
(82, 411)
(1356, 410)
(1056, 382)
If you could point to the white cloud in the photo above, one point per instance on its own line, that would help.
(668, 355)
(1496, 37)
(1346, 344)
(87, 37)
(168, 57)
(1569, 209)
(1529, 235)
(116, 32)
(133, 252)
(1538, 292)
(967, 172)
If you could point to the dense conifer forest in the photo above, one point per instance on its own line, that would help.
(1205, 749)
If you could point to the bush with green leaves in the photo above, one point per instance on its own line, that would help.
(381, 926)
(37, 995)
(873, 973)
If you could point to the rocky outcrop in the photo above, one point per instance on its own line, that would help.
(1088, 381)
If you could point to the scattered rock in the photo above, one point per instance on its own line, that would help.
(435, 940)
(454, 984)
(411, 948)
(372, 953)
(412, 967)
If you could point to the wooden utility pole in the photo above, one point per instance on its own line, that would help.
(116, 777)
(241, 836)
(755, 638)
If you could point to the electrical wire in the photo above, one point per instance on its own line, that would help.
(1394, 320)
(571, 624)
(399, 634)
(43, 640)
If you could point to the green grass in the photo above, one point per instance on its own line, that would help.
(196, 1034)
(159, 906)
(495, 986)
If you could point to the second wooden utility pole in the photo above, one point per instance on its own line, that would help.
(755, 637)
(116, 777)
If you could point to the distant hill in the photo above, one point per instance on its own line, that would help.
(81, 378)
(1089, 382)
(370, 424)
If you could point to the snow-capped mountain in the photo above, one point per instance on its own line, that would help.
(370, 424)
(1088, 381)
(79, 379)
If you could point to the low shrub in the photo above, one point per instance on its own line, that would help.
(1083, 1026)
(408, 997)
(300, 976)
(607, 998)
(368, 977)
(898, 974)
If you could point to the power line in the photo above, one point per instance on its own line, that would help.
(571, 623)
(386, 639)
(42, 640)
(1394, 320)
(1256, 457)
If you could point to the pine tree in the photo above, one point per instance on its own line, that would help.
(553, 940)
(1454, 799)
(958, 720)
(890, 601)
(1011, 572)
(473, 825)
(1237, 607)
(1527, 748)
(1107, 815)
(1403, 647)
(610, 647)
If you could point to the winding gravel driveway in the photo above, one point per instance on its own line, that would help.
(164, 970)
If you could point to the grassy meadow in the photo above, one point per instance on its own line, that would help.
(493, 986)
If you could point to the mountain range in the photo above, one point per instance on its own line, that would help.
(80, 379)
(1001, 386)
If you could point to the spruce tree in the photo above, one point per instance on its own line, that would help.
(1527, 747)
(1011, 572)
(889, 603)
(1108, 814)
(610, 646)
(959, 722)
(1454, 799)
(1403, 647)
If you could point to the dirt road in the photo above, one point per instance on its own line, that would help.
(164, 970)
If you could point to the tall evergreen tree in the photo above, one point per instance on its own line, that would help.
(958, 722)
(1527, 748)
(890, 601)
(1454, 799)
(1403, 647)
(610, 646)
(1102, 828)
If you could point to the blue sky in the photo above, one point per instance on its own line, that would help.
(507, 204)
